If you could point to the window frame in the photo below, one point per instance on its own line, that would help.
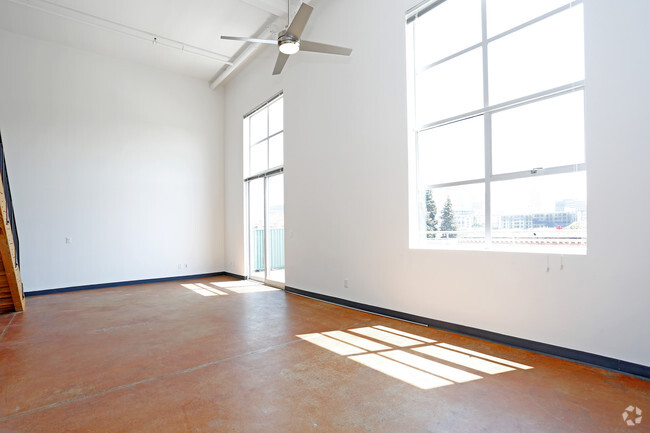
(267, 137)
(418, 239)
(265, 175)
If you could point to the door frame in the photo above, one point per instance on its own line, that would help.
(247, 183)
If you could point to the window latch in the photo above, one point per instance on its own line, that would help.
(536, 169)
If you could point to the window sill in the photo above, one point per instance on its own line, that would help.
(526, 249)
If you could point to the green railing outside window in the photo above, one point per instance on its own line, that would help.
(276, 250)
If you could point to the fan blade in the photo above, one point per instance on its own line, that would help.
(279, 64)
(300, 20)
(317, 47)
(258, 41)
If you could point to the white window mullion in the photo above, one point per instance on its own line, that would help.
(487, 119)
(268, 142)
(524, 100)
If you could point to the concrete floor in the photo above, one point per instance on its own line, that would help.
(204, 356)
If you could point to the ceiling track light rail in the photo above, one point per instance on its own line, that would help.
(76, 15)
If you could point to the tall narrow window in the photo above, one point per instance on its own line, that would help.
(264, 187)
(496, 113)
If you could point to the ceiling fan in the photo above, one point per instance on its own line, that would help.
(289, 41)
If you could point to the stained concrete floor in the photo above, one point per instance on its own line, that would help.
(210, 355)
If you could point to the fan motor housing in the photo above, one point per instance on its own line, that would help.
(287, 38)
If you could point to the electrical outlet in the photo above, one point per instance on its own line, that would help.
(345, 283)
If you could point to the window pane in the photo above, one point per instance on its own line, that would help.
(259, 157)
(451, 153)
(451, 88)
(259, 127)
(247, 158)
(545, 55)
(256, 227)
(454, 215)
(544, 210)
(542, 134)
(276, 153)
(450, 27)
(503, 15)
(276, 116)
(275, 228)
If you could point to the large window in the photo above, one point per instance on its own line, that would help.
(264, 187)
(496, 114)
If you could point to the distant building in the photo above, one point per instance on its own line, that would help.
(468, 219)
(534, 221)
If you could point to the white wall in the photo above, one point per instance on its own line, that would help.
(124, 159)
(346, 188)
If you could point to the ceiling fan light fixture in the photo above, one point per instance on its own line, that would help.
(289, 39)
(289, 47)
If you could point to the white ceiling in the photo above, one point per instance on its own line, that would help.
(99, 26)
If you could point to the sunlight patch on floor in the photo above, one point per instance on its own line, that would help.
(228, 288)
(433, 367)
(211, 289)
(245, 286)
(386, 337)
(331, 344)
(400, 371)
(463, 359)
(238, 283)
(356, 340)
(404, 334)
(413, 359)
(203, 291)
(490, 357)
